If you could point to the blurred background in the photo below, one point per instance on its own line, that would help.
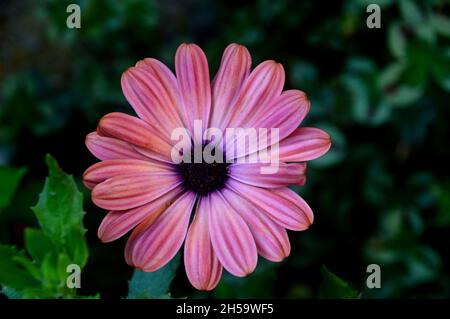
(381, 195)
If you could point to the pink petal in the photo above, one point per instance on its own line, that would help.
(271, 239)
(153, 245)
(193, 79)
(263, 85)
(106, 148)
(101, 171)
(152, 90)
(282, 205)
(118, 223)
(304, 144)
(287, 174)
(134, 131)
(202, 266)
(284, 113)
(233, 70)
(129, 191)
(231, 238)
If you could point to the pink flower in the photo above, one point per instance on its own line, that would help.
(239, 212)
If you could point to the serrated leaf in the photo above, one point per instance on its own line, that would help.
(60, 205)
(10, 178)
(49, 268)
(14, 272)
(63, 262)
(153, 285)
(60, 242)
(76, 246)
(29, 265)
(38, 244)
(333, 287)
(60, 213)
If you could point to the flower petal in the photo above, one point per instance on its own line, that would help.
(106, 148)
(284, 113)
(283, 174)
(152, 90)
(233, 70)
(128, 191)
(282, 205)
(101, 171)
(118, 223)
(202, 266)
(271, 239)
(305, 144)
(153, 245)
(135, 131)
(231, 238)
(193, 79)
(262, 85)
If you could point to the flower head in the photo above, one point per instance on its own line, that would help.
(159, 168)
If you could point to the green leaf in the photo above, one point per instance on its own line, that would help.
(404, 95)
(49, 268)
(60, 206)
(441, 68)
(76, 246)
(333, 287)
(153, 285)
(11, 293)
(60, 213)
(14, 270)
(38, 244)
(396, 41)
(10, 178)
(441, 24)
(411, 13)
(60, 242)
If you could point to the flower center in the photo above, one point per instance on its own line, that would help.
(203, 178)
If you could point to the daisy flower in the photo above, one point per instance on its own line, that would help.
(225, 212)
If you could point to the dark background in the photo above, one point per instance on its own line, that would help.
(381, 195)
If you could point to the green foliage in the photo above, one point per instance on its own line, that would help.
(60, 212)
(10, 178)
(381, 195)
(153, 285)
(16, 270)
(41, 271)
(333, 287)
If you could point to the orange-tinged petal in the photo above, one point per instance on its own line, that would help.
(285, 175)
(118, 223)
(231, 238)
(282, 205)
(305, 144)
(193, 79)
(134, 131)
(153, 245)
(202, 266)
(101, 171)
(106, 148)
(233, 70)
(128, 191)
